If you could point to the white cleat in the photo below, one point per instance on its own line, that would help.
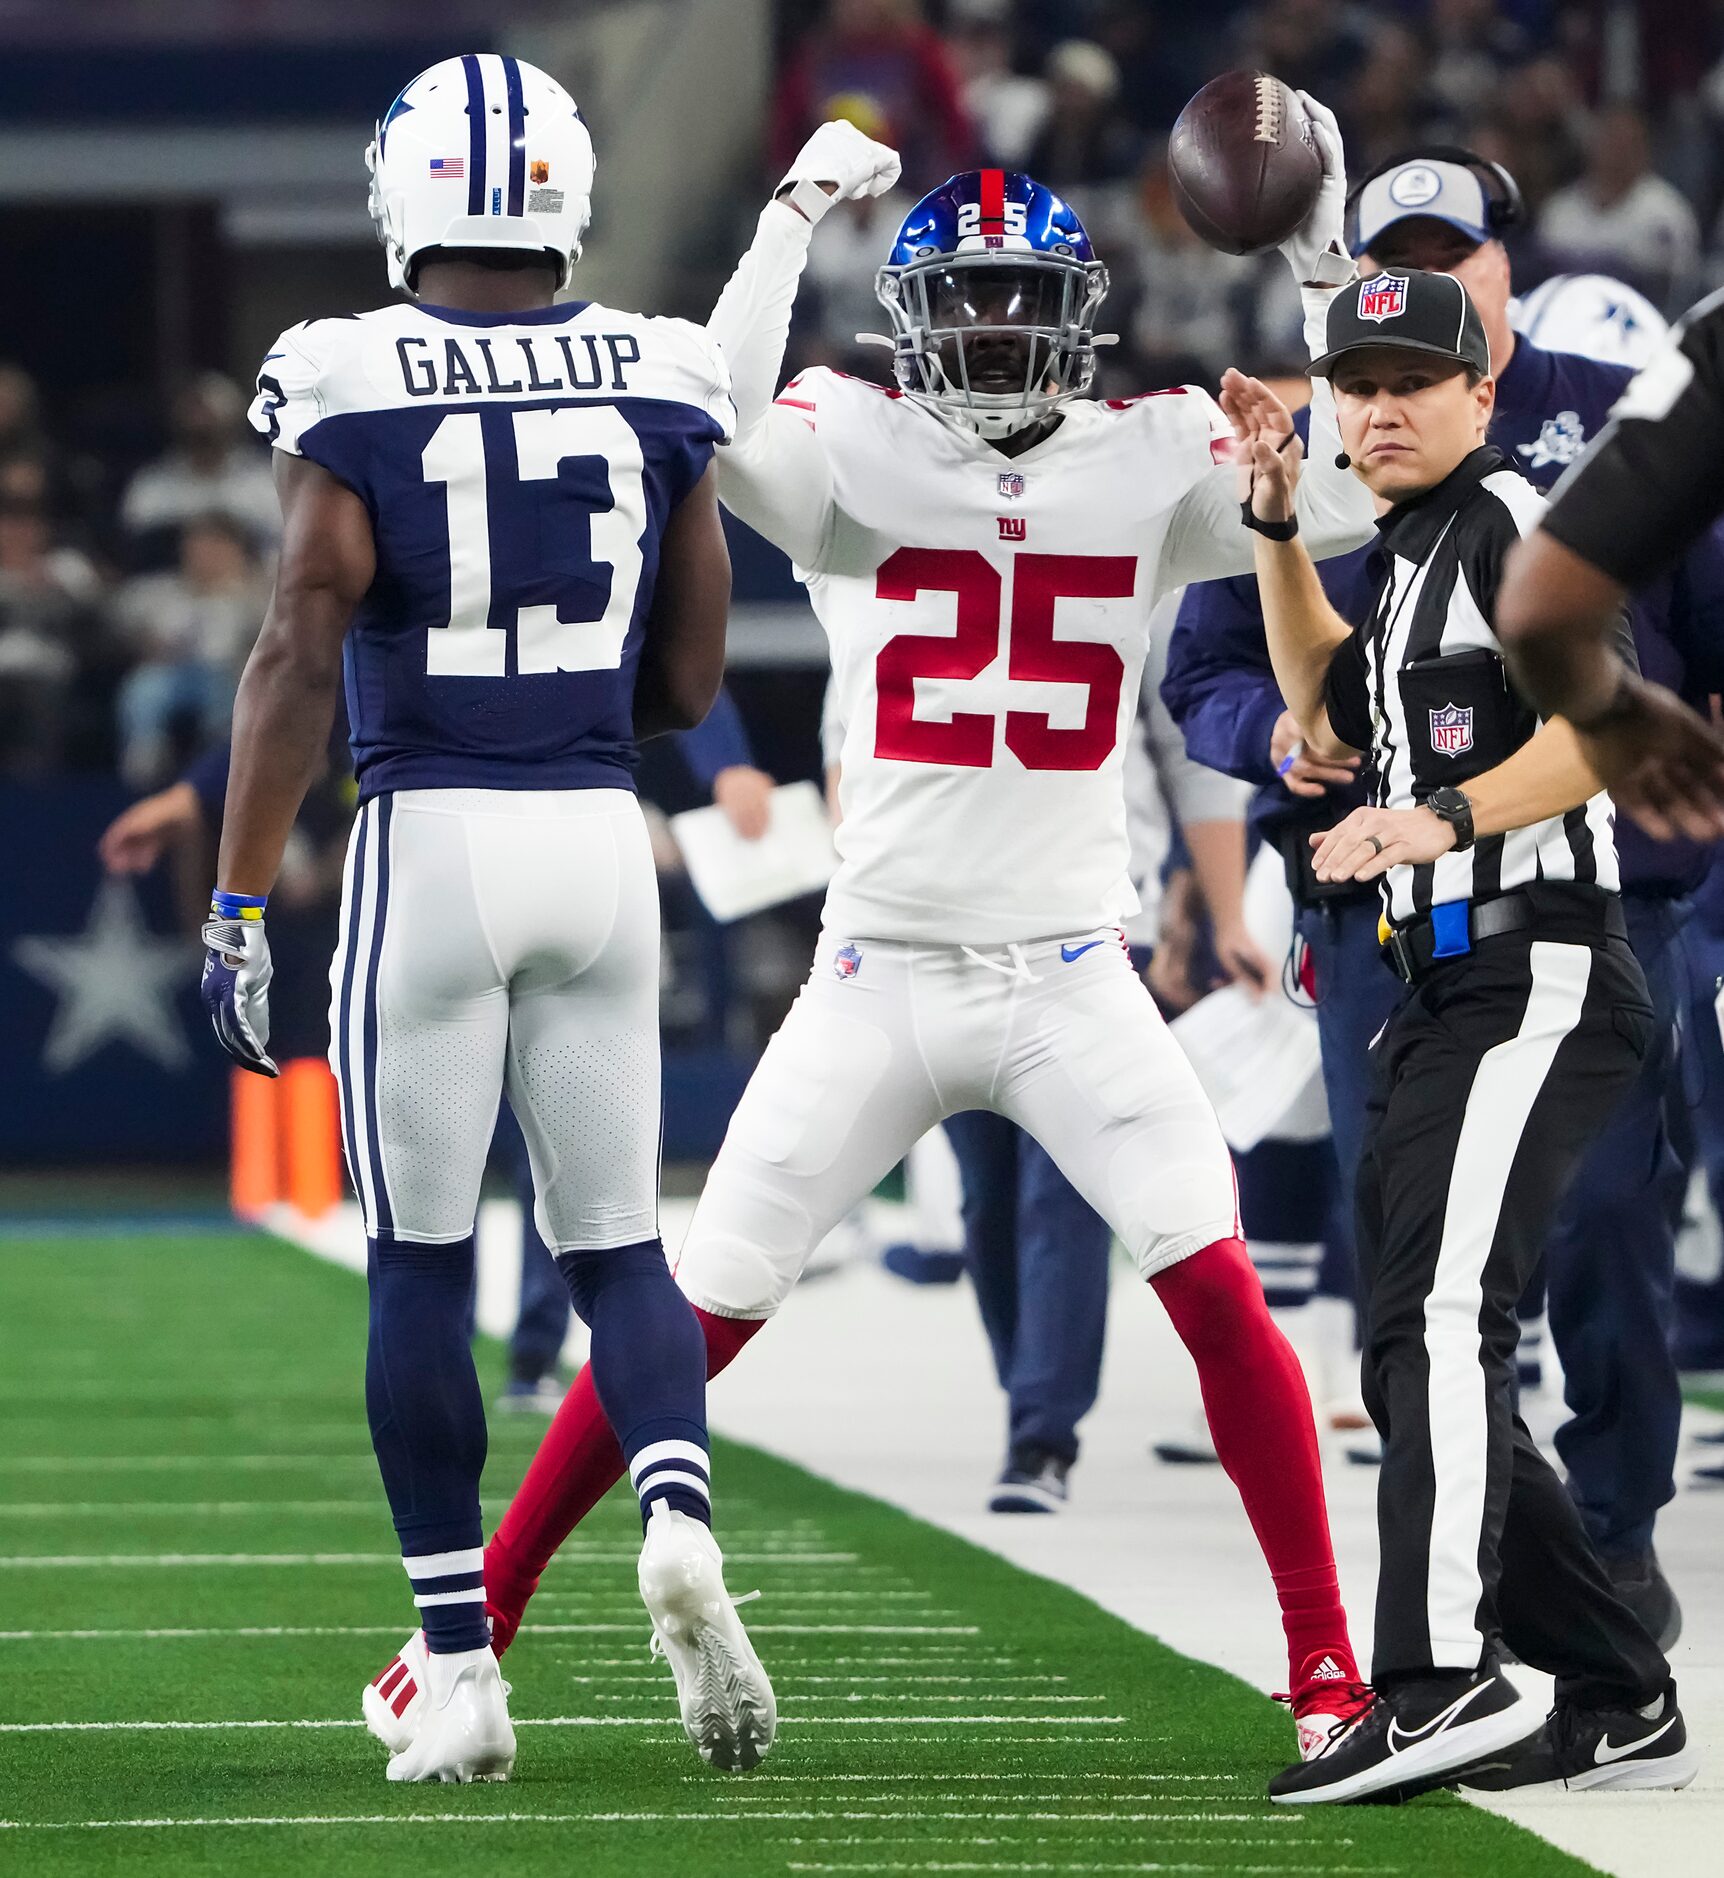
(464, 1731)
(728, 1708)
(394, 1700)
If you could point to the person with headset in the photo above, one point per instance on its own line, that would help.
(1610, 1258)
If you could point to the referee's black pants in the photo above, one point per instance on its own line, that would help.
(1488, 1084)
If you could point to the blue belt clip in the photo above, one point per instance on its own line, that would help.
(1451, 929)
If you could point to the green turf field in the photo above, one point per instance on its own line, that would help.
(197, 1576)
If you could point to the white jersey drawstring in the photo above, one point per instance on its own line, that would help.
(1019, 969)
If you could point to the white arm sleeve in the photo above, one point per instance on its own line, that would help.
(774, 476)
(1207, 540)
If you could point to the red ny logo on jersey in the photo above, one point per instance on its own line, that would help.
(1013, 528)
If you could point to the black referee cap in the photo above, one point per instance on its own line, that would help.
(1414, 311)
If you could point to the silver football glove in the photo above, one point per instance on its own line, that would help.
(235, 990)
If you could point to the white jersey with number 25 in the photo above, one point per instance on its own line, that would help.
(988, 615)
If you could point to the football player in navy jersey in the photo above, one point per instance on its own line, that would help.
(499, 521)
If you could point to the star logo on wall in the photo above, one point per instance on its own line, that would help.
(114, 982)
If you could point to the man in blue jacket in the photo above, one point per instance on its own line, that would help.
(1610, 1258)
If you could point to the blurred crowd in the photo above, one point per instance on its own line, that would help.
(1608, 113)
(128, 601)
(130, 591)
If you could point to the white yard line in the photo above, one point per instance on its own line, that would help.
(178, 1633)
(129, 1561)
(600, 1819)
(557, 1721)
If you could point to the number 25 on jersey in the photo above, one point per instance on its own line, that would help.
(472, 645)
(966, 739)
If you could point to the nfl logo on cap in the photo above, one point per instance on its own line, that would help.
(1452, 730)
(1011, 484)
(847, 961)
(1383, 298)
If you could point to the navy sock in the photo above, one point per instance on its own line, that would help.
(428, 1427)
(649, 1371)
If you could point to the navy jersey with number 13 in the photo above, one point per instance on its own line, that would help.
(519, 470)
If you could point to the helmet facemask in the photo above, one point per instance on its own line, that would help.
(998, 339)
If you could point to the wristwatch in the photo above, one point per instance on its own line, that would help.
(1450, 806)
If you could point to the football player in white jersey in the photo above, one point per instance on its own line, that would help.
(500, 519)
(984, 549)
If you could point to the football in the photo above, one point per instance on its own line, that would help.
(1244, 164)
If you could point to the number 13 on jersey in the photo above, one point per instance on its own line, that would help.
(476, 645)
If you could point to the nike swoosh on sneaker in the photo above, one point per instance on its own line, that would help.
(1607, 1751)
(1399, 1737)
(1068, 953)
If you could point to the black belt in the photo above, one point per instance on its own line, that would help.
(1452, 930)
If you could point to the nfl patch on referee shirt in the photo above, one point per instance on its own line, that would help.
(1452, 729)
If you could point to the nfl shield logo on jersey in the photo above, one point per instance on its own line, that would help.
(1381, 299)
(1452, 730)
(1011, 484)
(847, 961)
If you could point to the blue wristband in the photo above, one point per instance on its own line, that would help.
(238, 905)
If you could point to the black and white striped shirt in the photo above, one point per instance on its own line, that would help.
(1422, 686)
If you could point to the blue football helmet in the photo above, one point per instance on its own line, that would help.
(992, 287)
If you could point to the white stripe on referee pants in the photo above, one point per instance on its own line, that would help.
(1505, 1087)
(656, 1453)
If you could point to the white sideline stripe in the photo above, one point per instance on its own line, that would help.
(659, 1452)
(940, 1698)
(997, 1780)
(177, 1633)
(446, 1564)
(24, 1561)
(547, 1721)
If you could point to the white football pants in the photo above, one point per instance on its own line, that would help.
(885, 1039)
(496, 938)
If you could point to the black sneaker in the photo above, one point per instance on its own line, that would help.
(1412, 1738)
(1033, 1481)
(1613, 1749)
(1643, 1587)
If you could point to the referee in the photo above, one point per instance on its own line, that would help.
(1524, 1019)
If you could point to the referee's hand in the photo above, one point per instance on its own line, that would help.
(1371, 841)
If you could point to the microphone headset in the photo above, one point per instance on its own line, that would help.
(1505, 207)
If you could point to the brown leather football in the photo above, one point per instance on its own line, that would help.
(1244, 164)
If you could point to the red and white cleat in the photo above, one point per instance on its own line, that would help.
(1328, 1694)
(394, 1700)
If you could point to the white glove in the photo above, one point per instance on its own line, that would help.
(1317, 250)
(837, 154)
(235, 990)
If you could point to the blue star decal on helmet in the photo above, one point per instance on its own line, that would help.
(399, 108)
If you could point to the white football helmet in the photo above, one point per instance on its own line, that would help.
(482, 151)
